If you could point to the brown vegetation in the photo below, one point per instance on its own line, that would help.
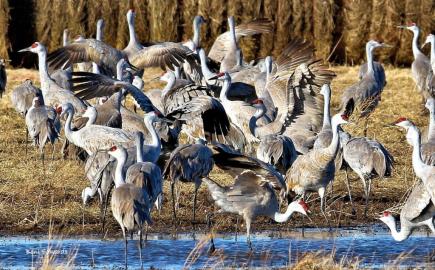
(337, 27)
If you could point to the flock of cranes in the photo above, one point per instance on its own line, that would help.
(266, 123)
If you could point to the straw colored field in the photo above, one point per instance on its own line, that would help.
(31, 196)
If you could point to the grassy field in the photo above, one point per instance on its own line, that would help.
(31, 196)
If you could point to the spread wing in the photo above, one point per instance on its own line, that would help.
(221, 44)
(164, 55)
(89, 85)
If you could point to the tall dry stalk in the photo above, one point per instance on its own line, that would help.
(250, 46)
(268, 10)
(189, 10)
(356, 28)
(164, 20)
(283, 25)
(215, 14)
(4, 23)
(323, 27)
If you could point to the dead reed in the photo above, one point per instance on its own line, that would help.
(4, 22)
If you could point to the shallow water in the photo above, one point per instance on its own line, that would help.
(374, 248)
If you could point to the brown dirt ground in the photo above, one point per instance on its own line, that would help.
(31, 196)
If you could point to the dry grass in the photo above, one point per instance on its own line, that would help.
(28, 191)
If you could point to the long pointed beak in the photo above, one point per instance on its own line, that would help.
(424, 44)
(214, 78)
(401, 26)
(387, 45)
(25, 50)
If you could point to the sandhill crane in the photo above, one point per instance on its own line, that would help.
(427, 149)
(430, 81)
(324, 137)
(229, 61)
(421, 65)
(145, 174)
(240, 112)
(188, 163)
(314, 170)
(366, 93)
(221, 44)
(133, 45)
(22, 96)
(194, 43)
(92, 138)
(42, 124)
(418, 211)
(430, 105)
(260, 88)
(367, 158)
(53, 94)
(251, 196)
(424, 171)
(294, 89)
(130, 205)
(3, 77)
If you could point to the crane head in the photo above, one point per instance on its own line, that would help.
(410, 26)
(58, 109)
(130, 15)
(403, 122)
(304, 205)
(387, 218)
(257, 101)
(35, 48)
(300, 206)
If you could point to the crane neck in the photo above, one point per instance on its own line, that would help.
(260, 112)
(92, 117)
(119, 170)
(415, 50)
(225, 87)
(283, 217)
(155, 139)
(232, 33)
(132, 32)
(326, 113)
(65, 38)
(369, 53)
(43, 70)
(139, 150)
(196, 34)
(333, 146)
(68, 131)
(398, 236)
(432, 55)
(99, 34)
(169, 85)
(204, 68)
(417, 162)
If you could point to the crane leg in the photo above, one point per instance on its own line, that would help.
(248, 234)
(140, 249)
(105, 203)
(194, 202)
(367, 196)
(348, 190)
(52, 151)
(212, 247)
(366, 126)
(125, 245)
(174, 214)
(237, 227)
(27, 140)
(322, 202)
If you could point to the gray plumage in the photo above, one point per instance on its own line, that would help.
(379, 72)
(251, 196)
(146, 175)
(22, 96)
(42, 124)
(189, 163)
(230, 59)
(277, 150)
(62, 78)
(367, 158)
(366, 93)
(220, 46)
